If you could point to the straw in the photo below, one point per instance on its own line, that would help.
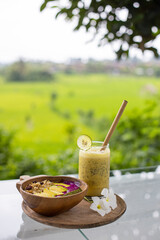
(114, 124)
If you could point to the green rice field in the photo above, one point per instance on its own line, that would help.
(42, 114)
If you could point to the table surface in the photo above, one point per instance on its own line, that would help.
(141, 220)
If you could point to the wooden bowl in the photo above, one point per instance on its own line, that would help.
(49, 206)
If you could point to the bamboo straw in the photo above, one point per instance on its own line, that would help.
(114, 124)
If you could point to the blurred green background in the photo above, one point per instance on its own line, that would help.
(45, 107)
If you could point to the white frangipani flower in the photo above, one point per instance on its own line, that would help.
(97, 206)
(105, 192)
(110, 197)
(104, 204)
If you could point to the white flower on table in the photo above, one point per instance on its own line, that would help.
(109, 198)
(103, 205)
(97, 205)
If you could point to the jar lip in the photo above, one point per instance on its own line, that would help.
(100, 142)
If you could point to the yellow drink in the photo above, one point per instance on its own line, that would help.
(94, 169)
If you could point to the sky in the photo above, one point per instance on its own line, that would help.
(27, 33)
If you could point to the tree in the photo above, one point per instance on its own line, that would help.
(17, 71)
(130, 23)
(22, 71)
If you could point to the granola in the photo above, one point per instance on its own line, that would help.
(47, 188)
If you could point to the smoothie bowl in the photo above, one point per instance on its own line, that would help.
(51, 195)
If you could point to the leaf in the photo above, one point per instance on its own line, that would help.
(43, 6)
(135, 21)
(73, 192)
(88, 199)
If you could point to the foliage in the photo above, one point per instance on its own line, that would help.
(20, 71)
(44, 124)
(130, 23)
(65, 162)
(134, 144)
(136, 140)
(52, 134)
(5, 146)
(15, 162)
(98, 124)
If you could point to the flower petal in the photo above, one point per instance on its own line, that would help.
(104, 192)
(113, 204)
(93, 207)
(108, 210)
(96, 200)
(111, 191)
(105, 204)
(101, 212)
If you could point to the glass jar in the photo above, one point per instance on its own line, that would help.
(94, 168)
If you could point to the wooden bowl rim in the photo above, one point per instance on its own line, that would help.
(59, 197)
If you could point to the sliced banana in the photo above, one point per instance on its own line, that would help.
(84, 142)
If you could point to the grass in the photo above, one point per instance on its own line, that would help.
(26, 107)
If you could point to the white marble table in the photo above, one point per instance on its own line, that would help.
(141, 221)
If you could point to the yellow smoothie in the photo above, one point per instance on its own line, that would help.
(94, 169)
